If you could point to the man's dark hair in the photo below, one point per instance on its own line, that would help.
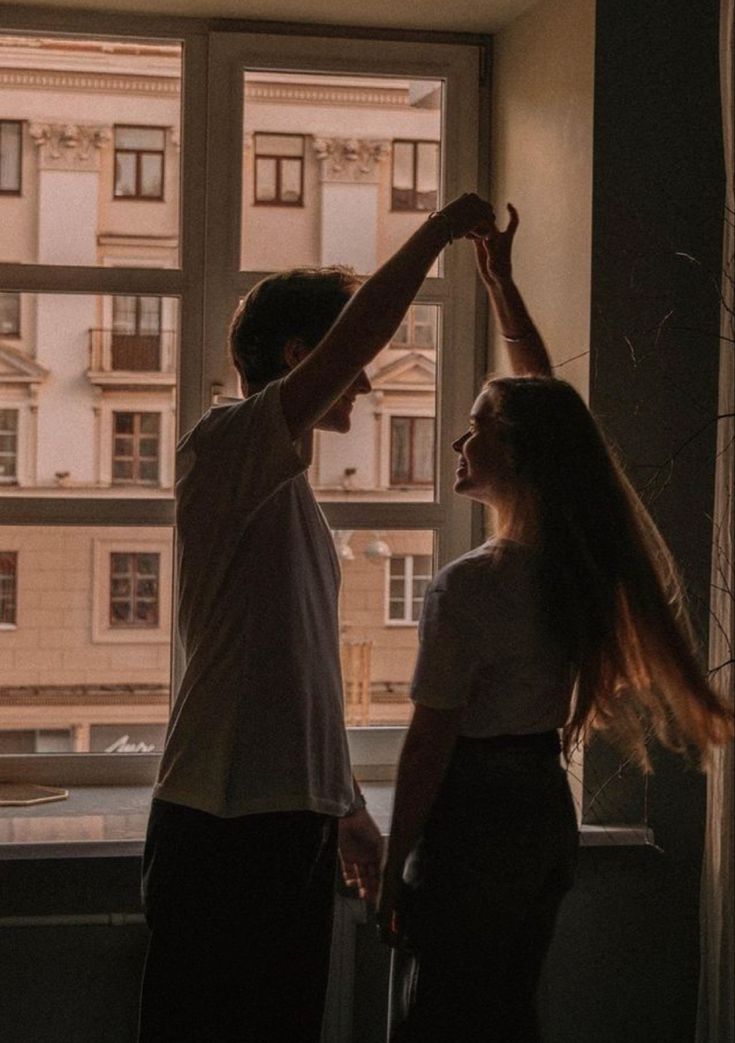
(302, 302)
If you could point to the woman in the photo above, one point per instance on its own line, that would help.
(574, 594)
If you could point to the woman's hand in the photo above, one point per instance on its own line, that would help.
(468, 216)
(493, 251)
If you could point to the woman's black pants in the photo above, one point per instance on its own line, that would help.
(483, 889)
(240, 912)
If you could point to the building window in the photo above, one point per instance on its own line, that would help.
(134, 590)
(411, 450)
(39, 740)
(8, 587)
(415, 182)
(279, 170)
(8, 446)
(136, 333)
(139, 162)
(408, 577)
(11, 154)
(136, 448)
(418, 329)
(9, 314)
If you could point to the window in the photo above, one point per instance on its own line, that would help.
(411, 450)
(11, 154)
(279, 170)
(408, 578)
(415, 175)
(135, 454)
(37, 740)
(139, 162)
(8, 446)
(8, 587)
(136, 333)
(134, 590)
(9, 314)
(419, 328)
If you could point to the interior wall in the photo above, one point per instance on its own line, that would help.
(542, 124)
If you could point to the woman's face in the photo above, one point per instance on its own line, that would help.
(485, 467)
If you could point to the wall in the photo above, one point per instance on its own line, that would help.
(541, 138)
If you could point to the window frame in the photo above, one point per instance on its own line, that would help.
(411, 481)
(277, 158)
(413, 209)
(19, 190)
(137, 196)
(409, 575)
(16, 333)
(135, 597)
(202, 368)
(137, 435)
(12, 479)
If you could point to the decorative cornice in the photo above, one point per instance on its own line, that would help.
(350, 159)
(90, 82)
(327, 94)
(69, 146)
(80, 695)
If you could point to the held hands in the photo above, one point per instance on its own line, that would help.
(493, 250)
(361, 854)
(468, 216)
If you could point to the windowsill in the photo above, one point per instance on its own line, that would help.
(110, 822)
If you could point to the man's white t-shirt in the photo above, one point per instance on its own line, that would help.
(257, 725)
(486, 646)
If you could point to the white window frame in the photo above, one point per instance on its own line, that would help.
(208, 285)
(408, 577)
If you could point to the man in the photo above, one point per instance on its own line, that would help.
(255, 792)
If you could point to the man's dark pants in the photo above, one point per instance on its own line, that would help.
(240, 912)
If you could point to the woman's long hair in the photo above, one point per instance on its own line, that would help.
(608, 580)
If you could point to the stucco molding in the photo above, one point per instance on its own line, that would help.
(350, 159)
(69, 146)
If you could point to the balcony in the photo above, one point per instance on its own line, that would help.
(132, 361)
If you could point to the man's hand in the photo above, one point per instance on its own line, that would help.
(361, 854)
(494, 250)
(469, 216)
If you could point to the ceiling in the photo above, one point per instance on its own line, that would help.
(475, 16)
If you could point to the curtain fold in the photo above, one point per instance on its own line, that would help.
(716, 1014)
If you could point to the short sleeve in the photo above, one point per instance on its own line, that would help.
(234, 460)
(445, 665)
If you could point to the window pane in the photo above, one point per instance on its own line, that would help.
(139, 138)
(345, 127)
(384, 456)
(8, 587)
(265, 180)
(427, 176)
(403, 153)
(378, 632)
(9, 314)
(151, 175)
(91, 647)
(99, 116)
(75, 413)
(290, 180)
(279, 145)
(10, 156)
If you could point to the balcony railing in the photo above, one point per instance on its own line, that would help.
(114, 352)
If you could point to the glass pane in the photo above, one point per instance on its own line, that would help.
(378, 633)
(346, 127)
(10, 156)
(427, 175)
(403, 152)
(136, 138)
(150, 314)
(101, 121)
(88, 650)
(151, 175)
(279, 145)
(290, 180)
(265, 180)
(385, 455)
(10, 314)
(75, 419)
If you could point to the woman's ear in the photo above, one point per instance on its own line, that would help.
(294, 350)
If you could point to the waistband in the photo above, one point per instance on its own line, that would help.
(538, 742)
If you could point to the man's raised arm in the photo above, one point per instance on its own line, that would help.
(374, 314)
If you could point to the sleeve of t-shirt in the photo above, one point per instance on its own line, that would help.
(238, 456)
(446, 664)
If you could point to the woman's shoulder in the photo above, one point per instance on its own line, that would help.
(485, 569)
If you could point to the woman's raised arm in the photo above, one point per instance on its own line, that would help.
(526, 349)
